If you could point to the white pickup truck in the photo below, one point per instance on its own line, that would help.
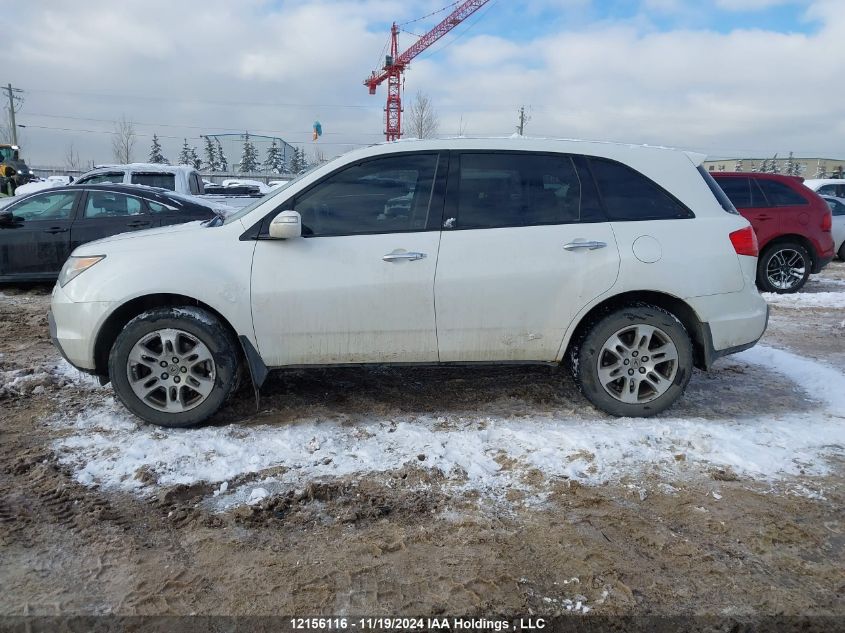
(179, 178)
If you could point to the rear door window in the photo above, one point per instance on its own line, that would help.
(155, 179)
(629, 195)
(743, 192)
(106, 204)
(510, 190)
(779, 194)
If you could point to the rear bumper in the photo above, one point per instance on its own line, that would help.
(730, 322)
(711, 354)
(820, 262)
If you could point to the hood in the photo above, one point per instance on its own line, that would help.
(141, 236)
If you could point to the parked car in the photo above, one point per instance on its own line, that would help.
(837, 210)
(792, 225)
(39, 231)
(179, 178)
(827, 186)
(545, 251)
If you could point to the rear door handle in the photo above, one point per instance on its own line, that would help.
(591, 245)
(55, 229)
(396, 257)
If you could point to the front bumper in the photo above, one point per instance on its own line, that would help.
(73, 328)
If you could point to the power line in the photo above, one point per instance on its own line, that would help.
(429, 15)
(235, 130)
(267, 104)
(144, 134)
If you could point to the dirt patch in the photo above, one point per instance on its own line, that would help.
(406, 540)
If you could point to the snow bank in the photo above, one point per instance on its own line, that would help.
(485, 453)
(806, 299)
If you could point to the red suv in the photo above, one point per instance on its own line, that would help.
(792, 224)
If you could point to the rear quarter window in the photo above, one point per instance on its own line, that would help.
(629, 195)
(780, 194)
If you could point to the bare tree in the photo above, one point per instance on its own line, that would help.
(423, 121)
(123, 140)
(72, 162)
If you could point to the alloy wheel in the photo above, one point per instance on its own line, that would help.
(171, 370)
(786, 268)
(637, 364)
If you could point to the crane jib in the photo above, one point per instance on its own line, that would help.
(396, 63)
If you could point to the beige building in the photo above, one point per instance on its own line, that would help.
(808, 167)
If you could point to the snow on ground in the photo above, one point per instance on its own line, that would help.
(110, 448)
(806, 299)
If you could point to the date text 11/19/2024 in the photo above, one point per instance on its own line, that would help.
(416, 624)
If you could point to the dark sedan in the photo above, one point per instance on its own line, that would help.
(39, 231)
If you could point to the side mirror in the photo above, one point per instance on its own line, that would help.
(7, 218)
(286, 225)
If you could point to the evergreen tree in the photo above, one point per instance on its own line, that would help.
(791, 167)
(821, 172)
(296, 161)
(222, 161)
(274, 162)
(155, 152)
(249, 158)
(185, 154)
(193, 158)
(211, 163)
(774, 167)
(762, 167)
(739, 166)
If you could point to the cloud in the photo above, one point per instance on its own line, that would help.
(186, 68)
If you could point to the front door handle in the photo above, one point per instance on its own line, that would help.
(137, 225)
(591, 245)
(55, 229)
(396, 257)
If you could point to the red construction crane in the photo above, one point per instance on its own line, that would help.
(395, 64)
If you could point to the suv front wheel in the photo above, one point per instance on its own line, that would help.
(174, 366)
(783, 268)
(633, 362)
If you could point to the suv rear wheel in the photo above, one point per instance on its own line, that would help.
(634, 362)
(783, 268)
(174, 366)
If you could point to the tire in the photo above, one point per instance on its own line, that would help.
(195, 387)
(842, 252)
(784, 268)
(614, 356)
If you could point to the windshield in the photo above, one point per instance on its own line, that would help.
(6, 153)
(247, 209)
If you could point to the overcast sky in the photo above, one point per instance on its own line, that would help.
(727, 77)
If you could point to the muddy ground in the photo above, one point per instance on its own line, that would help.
(407, 542)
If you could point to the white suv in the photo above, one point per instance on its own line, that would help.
(627, 262)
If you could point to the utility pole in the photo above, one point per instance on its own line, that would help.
(523, 119)
(14, 127)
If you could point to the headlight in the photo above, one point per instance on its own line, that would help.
(75, 266)
(20, 171)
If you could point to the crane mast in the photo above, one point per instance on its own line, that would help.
(395, 64)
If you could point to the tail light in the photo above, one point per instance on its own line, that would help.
(745, 242)
(827, 220)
